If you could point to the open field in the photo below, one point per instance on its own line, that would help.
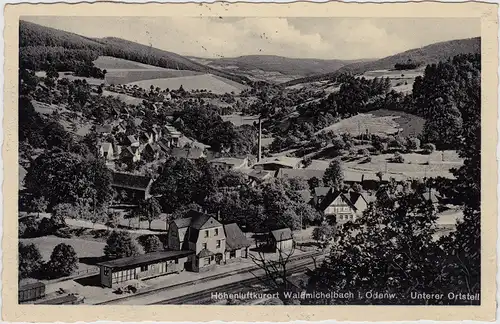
(208, 82)
(83, 248)
(401, 81)
(76, 127)
(129, 100)
(381, 121)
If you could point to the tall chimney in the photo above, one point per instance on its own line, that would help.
(259, 156)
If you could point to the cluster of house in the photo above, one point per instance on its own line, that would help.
(135, 91)
(198, 242)
(148, 144)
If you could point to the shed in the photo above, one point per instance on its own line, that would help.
(282, 239)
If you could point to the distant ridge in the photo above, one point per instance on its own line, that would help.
(427, 55)
(281, 64)
(36, 42)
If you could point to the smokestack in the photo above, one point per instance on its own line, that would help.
(259, 156)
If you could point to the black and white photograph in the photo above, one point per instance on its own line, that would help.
(249, 161)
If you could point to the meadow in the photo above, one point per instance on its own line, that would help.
(207, 82)
(382, 122)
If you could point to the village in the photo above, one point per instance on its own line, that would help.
(148, 185)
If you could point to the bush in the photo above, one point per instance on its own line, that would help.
(120, 245)
(413, 143)
(151, 243)
(30, 260)
(46, 227)
(428, 148)
(63, 232)
(28, 227)
(398, 158)
(63, 261)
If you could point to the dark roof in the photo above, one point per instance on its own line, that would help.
(32, 285)
(182, 222)
(130, 181)
(282, 234)
(103, 128)
(321, 191)
(235, 238)
(133, 261)
(189, 153)
(201, 220)
(152, 147)
(355, 196)
(205, 253)
(331, 196)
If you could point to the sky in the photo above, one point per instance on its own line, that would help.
(322, 38)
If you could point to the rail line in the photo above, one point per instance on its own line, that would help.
(201, 297)
(194, 282)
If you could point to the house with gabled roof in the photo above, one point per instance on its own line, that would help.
(131, 187)
(201, 233)
(237, 243)
(281, 239)
(150, 152)
(343, 207)
(146, 138)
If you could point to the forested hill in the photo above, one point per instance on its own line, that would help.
(425, 55)
(283, 65)
(40, 45)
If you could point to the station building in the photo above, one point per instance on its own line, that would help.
(142, 266)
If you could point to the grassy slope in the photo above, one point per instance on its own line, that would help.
(33, 35)
(428, 54)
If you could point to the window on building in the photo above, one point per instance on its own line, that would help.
(232, 254)
(218, 244)
(106, 271)
(204, 245)
(206, 233)
(176, 261)
(144, 268)
(216, 232)
(207, 261)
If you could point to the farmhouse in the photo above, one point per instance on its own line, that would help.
(258, 175)
(132, 187)
(343, 207)
(236, 243)
(281, 240)
(142, 266)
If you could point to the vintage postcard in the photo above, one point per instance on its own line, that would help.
(246, 162)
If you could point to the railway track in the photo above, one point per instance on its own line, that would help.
(205, 296)
(191, 283)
